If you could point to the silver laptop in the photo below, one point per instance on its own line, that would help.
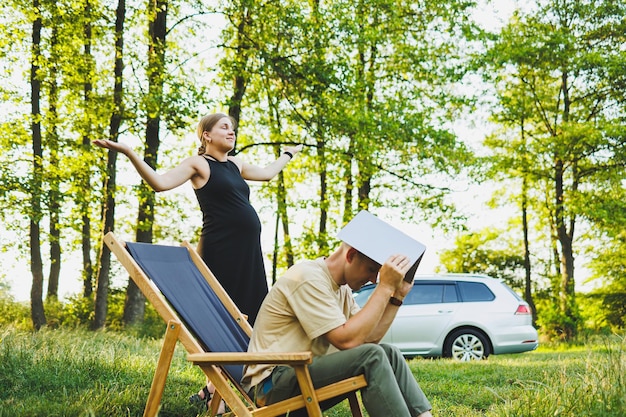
(379, 240)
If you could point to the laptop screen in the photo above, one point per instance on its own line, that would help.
(379, 240)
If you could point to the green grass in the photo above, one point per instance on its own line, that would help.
(81, 373)
(579, 381)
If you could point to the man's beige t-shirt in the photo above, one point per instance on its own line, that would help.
(304, 304)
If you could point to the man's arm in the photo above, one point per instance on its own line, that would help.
(389, 314)
(368, 322)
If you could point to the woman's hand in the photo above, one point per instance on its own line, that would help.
(293, 149)
(114, 146)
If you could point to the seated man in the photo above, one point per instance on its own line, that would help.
(311, 308)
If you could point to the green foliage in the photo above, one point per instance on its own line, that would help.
(77, 313)
(604, 309)
(372, 89)
(479, 253)
(561, 117)
(552, 322)
(363, 86)
(607, 211)
(14, 314)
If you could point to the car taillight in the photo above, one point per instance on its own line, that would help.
(522, 309)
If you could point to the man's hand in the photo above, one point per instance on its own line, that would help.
(405, 288)
(393, 271)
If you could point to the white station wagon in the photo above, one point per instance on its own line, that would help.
(463, 316)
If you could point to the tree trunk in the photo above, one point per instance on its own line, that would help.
(54, 195)
(348, 193)
(86, 252)
(108, 211)
(36, 264)
(567, 293)
(85, 178)
(282, 210)
(240, 74)
(528, 293)
(282, 219)
(364, 190)
(234, 107)
(566, 289)
(55, 236)
(276, 249)
(322, 241)
(134, 307)
(108, 220)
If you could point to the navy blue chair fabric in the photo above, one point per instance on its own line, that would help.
(187, 291)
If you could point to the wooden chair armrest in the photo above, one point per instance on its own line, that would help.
(245, 358)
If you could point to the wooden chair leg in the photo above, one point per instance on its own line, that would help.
(355, 407)
(162, 369)
(308, 392)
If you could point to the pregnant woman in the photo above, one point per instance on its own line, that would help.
(230, 242)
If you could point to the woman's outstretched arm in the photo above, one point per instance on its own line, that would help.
(266, 173)
(173, 178)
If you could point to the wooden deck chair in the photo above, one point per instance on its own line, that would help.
(200, 314)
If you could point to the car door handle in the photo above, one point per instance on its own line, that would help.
(444, 311)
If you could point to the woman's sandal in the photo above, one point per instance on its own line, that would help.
(196, 400)
(204, 402)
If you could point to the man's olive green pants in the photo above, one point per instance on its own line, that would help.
(391, 391)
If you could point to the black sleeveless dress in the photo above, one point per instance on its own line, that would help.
(230, 243)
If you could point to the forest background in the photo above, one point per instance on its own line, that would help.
(399, 104)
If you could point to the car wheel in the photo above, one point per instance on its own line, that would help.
(466, 345)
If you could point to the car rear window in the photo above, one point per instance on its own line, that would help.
(475, 291)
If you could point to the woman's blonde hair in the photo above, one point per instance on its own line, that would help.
(206, 124)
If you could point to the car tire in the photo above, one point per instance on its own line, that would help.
(466, 345)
